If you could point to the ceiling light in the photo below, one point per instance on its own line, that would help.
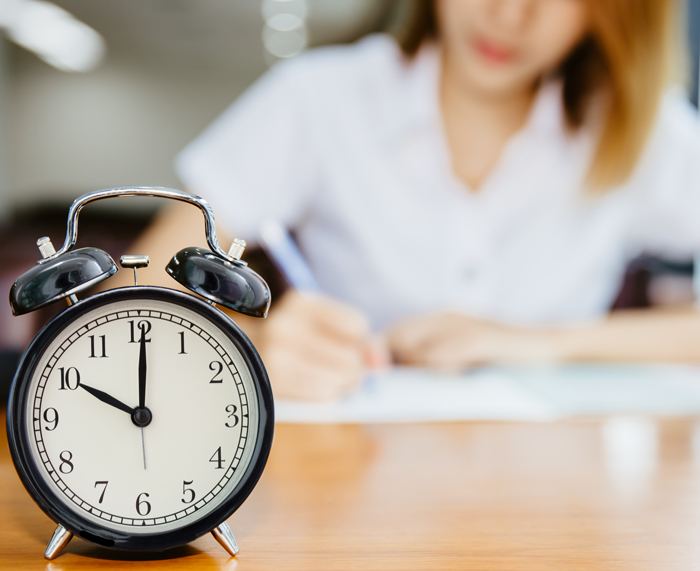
(52, 34)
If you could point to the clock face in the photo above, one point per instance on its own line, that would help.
(142, 415)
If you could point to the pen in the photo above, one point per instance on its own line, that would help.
(285, 254)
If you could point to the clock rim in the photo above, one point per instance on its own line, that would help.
(48, 500)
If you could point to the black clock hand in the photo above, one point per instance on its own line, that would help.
(108, 399)
(143, 416)
(142, 369)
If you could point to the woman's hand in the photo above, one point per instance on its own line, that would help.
(313, 347)
(456, 341)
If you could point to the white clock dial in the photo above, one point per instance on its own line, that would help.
(90, 450)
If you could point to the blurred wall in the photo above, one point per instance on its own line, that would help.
(693, 20)
(171, 67)
(118, 125)
(4, 135)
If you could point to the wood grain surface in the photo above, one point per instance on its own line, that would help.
(609, 494)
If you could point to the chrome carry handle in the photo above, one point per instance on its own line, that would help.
(152, 191)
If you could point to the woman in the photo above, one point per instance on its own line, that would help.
(473, 192)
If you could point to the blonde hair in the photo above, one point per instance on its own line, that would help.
(627, 57)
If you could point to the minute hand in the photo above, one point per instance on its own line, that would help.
(109, 399)
(142, 370)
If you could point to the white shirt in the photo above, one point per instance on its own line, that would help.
(345, 146)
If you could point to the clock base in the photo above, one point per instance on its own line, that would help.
(60, 539)
(223, 535)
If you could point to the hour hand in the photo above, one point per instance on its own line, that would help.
(108, 399)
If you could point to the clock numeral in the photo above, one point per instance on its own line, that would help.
(186, 490)
(67, 378)
(66, 466)
(217, 366)
(102, 495)
(145, 328)
(217, 459)
(92, 346)
(142, 506)
(52, 420)
(182, 343)
(232, 410)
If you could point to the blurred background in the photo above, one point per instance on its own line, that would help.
(168, 68)
(103, 94)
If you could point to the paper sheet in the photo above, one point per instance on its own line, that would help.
(508, 394)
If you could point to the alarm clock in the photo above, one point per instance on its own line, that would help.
(140, 418)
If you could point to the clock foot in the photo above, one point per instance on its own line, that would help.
(223, 535)
(60, 539)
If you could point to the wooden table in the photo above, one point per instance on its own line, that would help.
(609, 494)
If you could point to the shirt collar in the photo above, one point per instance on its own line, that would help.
(547, 111)
(419, 103)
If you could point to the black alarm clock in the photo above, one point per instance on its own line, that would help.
(140, 418)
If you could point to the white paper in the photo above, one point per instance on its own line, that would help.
(508, 394)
